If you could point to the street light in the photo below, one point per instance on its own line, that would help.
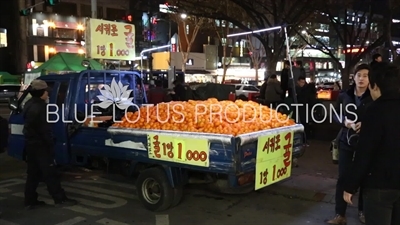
(149, 50)
(183, 15)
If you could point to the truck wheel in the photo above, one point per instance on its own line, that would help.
(154, 190)
(178, 195)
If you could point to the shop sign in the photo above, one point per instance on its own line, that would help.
(109, 40)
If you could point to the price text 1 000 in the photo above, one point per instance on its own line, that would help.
(102, 50)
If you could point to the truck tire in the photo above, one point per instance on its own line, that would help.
(154, 190)
(178, 196)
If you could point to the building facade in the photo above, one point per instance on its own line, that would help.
(60, 28)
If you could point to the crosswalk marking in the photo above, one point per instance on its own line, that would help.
(102, 190)
(4, 190)
(116, 202)
(5, 222)
(99, 180)
(84, 210)
(2, 198)
(10, 182)
(48, 201)
(106, 221)
(162, 219)
(75, 208)
(72, 221)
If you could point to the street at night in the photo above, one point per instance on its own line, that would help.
(188, 112)
(306, 198)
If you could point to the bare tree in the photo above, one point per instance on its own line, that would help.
(392, 6)
(297, 46)
(356, 29)
(256, 52)
(191, 26)
(250, 15)
(222, 31)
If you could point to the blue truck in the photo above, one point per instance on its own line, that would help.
(232, 164)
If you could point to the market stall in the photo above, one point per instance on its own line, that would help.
(62, 63)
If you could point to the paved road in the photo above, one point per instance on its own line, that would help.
(306, 198)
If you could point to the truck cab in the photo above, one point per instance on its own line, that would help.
(70, 103)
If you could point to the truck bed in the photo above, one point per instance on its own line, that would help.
(227, 154)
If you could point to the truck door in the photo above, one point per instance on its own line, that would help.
(60, 92)
(16, 141)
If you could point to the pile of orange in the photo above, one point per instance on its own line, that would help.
(210, 116)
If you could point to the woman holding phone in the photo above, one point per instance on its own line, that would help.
(350, 106)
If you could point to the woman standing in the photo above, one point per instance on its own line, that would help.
(273, 92)
(352, 103)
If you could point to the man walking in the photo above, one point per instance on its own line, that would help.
(39, 144)
(376, 163)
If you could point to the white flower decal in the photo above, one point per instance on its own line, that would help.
(115, 94)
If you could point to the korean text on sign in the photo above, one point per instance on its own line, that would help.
(111, 40)
(274, 158)
(189, 151)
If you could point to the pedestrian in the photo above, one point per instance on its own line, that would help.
(179, 91)
(157, 94)
(376, 58)
(263, 88)
(39, 145)
(351, 106)
(376, 163)
(302, 96)
(285, 79)
(273, 92)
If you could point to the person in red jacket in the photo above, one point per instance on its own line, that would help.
(157, 95)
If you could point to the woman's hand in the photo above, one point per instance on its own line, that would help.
(357, 127)
(348, 123)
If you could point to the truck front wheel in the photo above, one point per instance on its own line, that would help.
(154, 190)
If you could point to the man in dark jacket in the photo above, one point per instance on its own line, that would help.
(351, 106)
(179, 93)
(285, 78)
(263, 89)
(39, 145)
(376, 58)
(376, 162)
(157, 95)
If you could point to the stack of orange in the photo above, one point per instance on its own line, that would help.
(210, 116)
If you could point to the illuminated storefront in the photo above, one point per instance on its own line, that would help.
(52, 33)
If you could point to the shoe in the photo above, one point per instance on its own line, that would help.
(337, 220)
(361, 217)
(34, 205)
(66, 202)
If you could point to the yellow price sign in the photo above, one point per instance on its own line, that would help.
(274, 158)
(109, 40)
(189, 151)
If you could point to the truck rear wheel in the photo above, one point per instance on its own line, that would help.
(154, 190)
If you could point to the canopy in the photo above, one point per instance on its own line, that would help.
(66, 62)
(6, 78)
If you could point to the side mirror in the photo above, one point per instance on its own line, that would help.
(13, 103)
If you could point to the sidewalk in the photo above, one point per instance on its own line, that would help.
(10, 167)
(314, 179)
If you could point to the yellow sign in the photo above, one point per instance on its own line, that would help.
(274, 158)
(189, 151)
(110, 40)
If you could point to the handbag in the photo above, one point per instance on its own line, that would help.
(335, 147)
